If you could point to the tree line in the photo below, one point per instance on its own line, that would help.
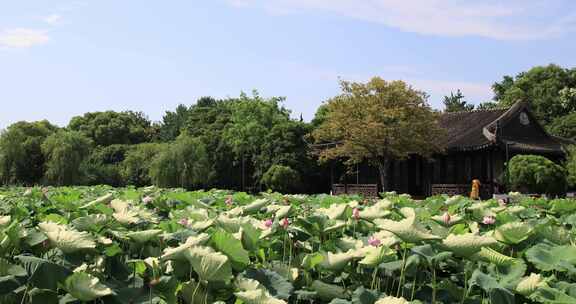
(252, 143)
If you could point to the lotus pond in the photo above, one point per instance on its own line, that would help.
(151, 245)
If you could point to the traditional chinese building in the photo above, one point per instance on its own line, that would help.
(477, 146)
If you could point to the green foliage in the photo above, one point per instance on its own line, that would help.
(65, 151)
(190, 247)
(103, 165)
(109, 128)
(564, 126)
(281, 179)
(532, 173)
(378, 121)
(549, 90)
(571, 166)
(135, 169)
(183, 163)
(456, 103)
(21, 158)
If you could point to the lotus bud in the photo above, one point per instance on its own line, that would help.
(285, 223)
(446, 218)
(229, 201)
(372, 241)
(356, 214)
(268, 223)
(488, 220)
(147, 199)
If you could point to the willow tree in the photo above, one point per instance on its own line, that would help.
(378, 122)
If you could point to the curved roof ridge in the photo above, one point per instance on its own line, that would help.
(478, 110)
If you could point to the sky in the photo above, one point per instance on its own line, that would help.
(62, 58)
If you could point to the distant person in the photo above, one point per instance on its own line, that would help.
(475, 193)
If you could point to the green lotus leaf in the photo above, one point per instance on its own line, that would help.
(386, 238)
(89, 222)
(454, 219)
(530, 284)
(335, 211)
(513, 232)
(549, 258)
(194, 292)
(144, 236)
(101, 200)
(257, 296)
(391, 300)
(490, 255)
(337, 261)
(210, 266)
(554, 233)
(126, 217)
(231, 247)
(255, 206)
(334, 225)
(252, 292)
(65, 238)
(374, 256)
(85, 287)
(407, 229)
(467, 244)
(179, 253)
(378, 210)
(328, 292)
(346, 243)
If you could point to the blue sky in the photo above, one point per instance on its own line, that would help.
(62, 58)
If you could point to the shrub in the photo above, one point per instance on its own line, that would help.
(537, 174)
(281, 179)
(571, 167)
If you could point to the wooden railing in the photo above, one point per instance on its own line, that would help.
(459, 189)
(366, 190)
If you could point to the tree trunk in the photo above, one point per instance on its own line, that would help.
(383, 172)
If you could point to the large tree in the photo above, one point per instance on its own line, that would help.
(109, 128)
(183, 163)
(456, 103)
(21, 158)
(546, 88)
(378, 121)
(64, 152)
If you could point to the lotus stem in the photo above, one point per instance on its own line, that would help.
(402, 271)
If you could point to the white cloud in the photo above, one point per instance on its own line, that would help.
(504, 20)
(22, 38)
(52, 19)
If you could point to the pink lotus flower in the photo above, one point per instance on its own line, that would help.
(147, 199)
(446, 218)
(488, 220)
(356, 214)
(372, 241)
(229, 201)
(285, 223)
(183, 222)
(268, 223)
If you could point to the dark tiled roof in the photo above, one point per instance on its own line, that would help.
(464, 130)
(475, 130)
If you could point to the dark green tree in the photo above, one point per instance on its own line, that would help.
(564, 126)
(542, 87)
(135, 168)
(64, 152)
(536, 174)
(456, 103)
(109, 128)
(281, 178)
(183, 163)
(21, 158)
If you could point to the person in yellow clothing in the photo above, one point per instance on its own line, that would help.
(475, 193)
